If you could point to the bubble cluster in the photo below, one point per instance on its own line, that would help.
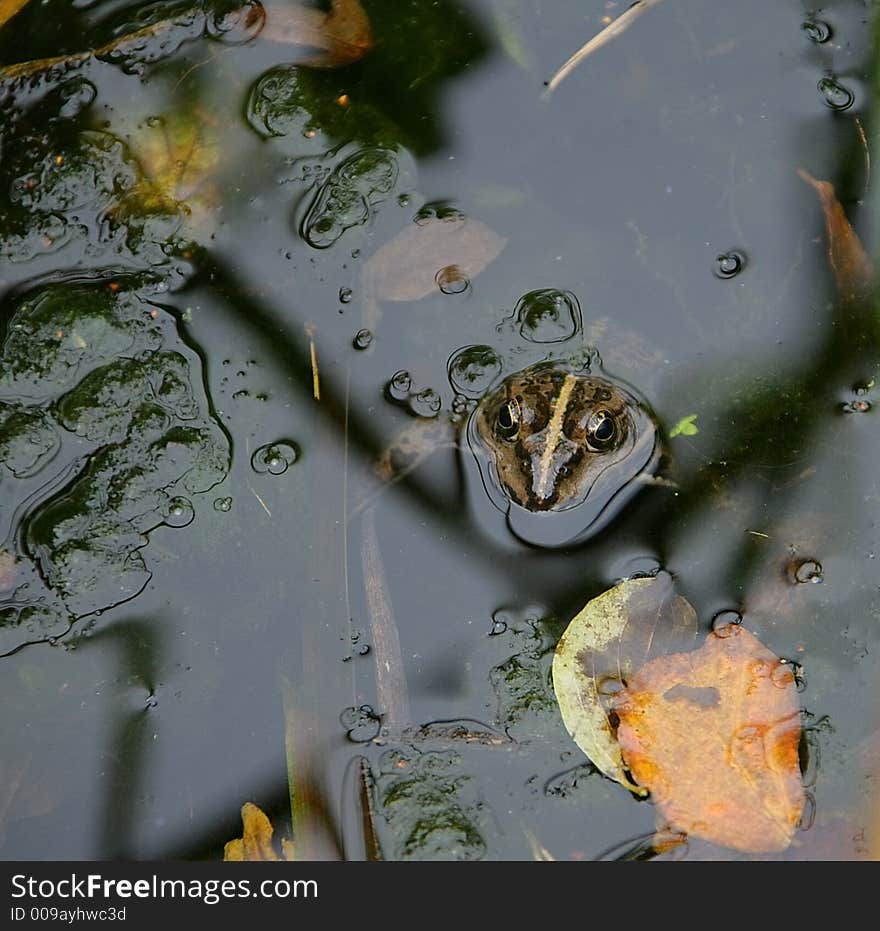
(361, 724)
(274, 458)
(423, 402)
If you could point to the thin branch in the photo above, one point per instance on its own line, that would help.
(613, 29)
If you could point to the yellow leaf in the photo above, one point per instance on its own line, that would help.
(713, 735)
(255, 844)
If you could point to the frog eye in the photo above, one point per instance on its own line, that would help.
(601, 430)
(509, 416)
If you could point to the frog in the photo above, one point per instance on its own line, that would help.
(554, 441)
(560, 448)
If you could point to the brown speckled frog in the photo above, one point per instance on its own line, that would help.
(560, 448)
(558, 445)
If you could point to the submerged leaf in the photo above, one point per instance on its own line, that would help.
(852, 268)
(609, 638)
(340, 37)
(713, 735)
(408, 267)
(256, 841)
(178, 156)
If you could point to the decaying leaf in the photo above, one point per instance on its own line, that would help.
(178, 156)
(256, 840)
(853, 270)
(26, 791)
(340, 37)
(8, 571)
(406, 268)
(118, 47)
(8, 9)
(614, 634)
(713, 735)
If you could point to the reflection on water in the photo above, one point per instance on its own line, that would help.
(260, 265)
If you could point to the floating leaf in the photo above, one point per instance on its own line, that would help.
(713, 735)
(256, 840)
(340, 37)
(609, 638)
(8, 9)
(852, 268)
(687, 426)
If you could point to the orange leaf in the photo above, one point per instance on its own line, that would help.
(8, 9)
(343, 35)
(852, 268)
(713, 734)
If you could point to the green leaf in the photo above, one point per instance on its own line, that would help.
(686, 426)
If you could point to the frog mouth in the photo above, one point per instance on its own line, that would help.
(552, 523)
(577, 522)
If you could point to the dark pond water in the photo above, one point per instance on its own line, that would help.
(205, 582)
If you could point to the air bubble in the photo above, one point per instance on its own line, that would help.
(498, 627)
(180, 513)
(362, 339)
(361, 724)
(610, 686)
(548, 316)
(222, 504)
(472, 370)
(725, 621)
(400, 385)
(345, 295)
(426, 403)
(835, 95)
(274, 458)
(238, 25)
(807, 570)
(816, 30)
(858, 406)
(729, 264)
(452, 280)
